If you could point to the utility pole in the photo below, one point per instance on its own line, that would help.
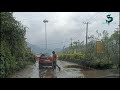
(118, 29)
(78, 46)
(86, 33)
(63, 48)
(119, 22)
(71, 42)
(45, 21)
(119, 33)
(71, 45)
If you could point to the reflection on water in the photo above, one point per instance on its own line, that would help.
(47, 73)
(68, 70)
(64, 73)
(74, 73)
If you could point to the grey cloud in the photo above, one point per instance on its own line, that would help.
(62, 26)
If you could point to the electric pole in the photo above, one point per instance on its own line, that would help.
(118, 29)
(119, 22)
(71, 45)
(78, 46)
(86, 33)
(119, 34)
(63, 48)
(71, 42)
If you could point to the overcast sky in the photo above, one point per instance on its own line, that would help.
(62, 26)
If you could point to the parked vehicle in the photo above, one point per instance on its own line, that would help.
(45, 60)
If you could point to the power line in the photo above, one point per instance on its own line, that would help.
(82, 17)
(94, 18)
(82, 25)
(98, 14)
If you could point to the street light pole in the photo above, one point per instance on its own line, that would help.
(45, 21)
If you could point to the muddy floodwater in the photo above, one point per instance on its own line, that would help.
(32, 71)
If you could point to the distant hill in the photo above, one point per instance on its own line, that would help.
(58, 50)
(34, 48)
(38, 50)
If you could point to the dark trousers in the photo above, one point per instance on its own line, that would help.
(55, 64)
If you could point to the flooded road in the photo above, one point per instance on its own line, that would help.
(32, 71)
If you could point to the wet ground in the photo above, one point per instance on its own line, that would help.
(32, 71)
(99, 74)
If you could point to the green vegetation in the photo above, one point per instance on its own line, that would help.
(77, 53)
(76, 58)
(14, 53)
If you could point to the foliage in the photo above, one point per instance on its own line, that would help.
(14, 52)
(105, 60)
(72, 57)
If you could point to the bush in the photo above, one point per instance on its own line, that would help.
(87, 60)
(13, 52)
(72, 57)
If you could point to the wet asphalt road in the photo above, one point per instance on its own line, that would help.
(32, 71)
